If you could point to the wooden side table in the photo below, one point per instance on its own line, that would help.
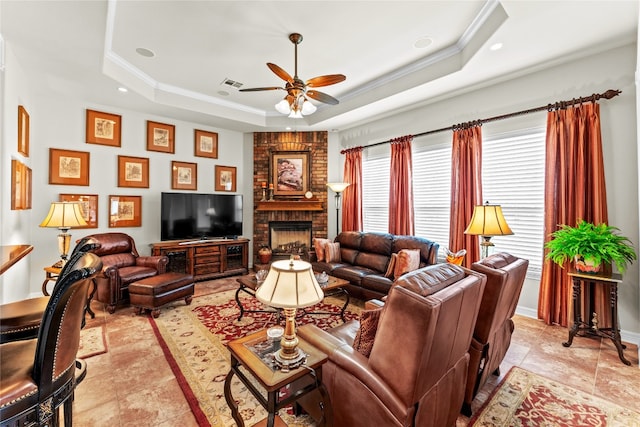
(590, 326)
(51, 275)
(254, 353)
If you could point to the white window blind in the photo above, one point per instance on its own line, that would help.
(375, 190)
(513, 177)
(432, 193)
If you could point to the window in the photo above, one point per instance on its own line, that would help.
(432, 193)
(512, 176)
(375, 190)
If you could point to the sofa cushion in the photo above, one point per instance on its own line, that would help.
(135, 273)
(348, 255)
(391, 266)
(349, 239)
(352, 273)
(377, 262)
(428, 249)
(319, 245)
(406, 261)
(377, 283)
(332, 252)
(377, 243)
(363, 342)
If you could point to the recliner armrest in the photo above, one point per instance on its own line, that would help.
(158, 262)
(373, 304)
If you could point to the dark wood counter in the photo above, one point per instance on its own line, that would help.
(12, 254)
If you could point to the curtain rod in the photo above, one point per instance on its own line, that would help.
(549, 107)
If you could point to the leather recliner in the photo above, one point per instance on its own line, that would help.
(494, 327)
(416, 372)
(122, 265)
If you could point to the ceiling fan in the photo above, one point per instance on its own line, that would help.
(296, 103)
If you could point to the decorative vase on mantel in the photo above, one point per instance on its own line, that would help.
(264, 255)
(586, 264)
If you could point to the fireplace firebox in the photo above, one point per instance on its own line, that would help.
(288, 238)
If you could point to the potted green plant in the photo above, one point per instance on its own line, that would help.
(590, 245)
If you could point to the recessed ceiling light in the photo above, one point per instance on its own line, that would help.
(123, 89)
(423, 42)
(142, 51)
(223, 93)
(287, 128)
(496, 46)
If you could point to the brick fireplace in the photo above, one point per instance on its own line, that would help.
(293, 210)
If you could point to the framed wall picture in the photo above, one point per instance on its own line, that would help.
(160, 137)
(103, 128)
(133, 172)
(68, 167)
(125, 211)
(206, 144)
(88, 205)
(27, 187)
(184, 176)
(225, 178)
(17, 183)
(23, 131)
(290, 173)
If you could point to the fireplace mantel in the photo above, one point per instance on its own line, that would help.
(290, 205)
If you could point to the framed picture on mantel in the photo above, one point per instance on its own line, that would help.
(290, 173)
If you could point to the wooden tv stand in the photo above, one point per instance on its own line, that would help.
(205, 259)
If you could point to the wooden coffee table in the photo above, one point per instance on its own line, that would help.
(335, 286)
(248, 285)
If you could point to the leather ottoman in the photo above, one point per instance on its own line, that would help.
(156, 291)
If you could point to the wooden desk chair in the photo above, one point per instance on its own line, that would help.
(20, 320)
(40, 375)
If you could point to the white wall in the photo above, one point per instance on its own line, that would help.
(58, 121)
(15, 225)
(613, 69)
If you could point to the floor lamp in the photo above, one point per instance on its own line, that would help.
(487, 221)
(337, 187)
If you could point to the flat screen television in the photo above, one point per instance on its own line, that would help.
(200, 216)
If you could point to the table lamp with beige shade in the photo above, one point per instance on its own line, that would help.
(290, 284)
(487, 221)
(64, 216)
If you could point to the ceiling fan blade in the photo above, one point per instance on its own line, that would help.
(280, 72)
(327, 80)
(322, 97)
(256, 89)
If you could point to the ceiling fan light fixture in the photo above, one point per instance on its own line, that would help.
(283, 107)
(295, 114)
(308, 107)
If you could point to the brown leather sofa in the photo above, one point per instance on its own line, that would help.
(364, 258)
(416, 372)
(494, 327)
(122, 265)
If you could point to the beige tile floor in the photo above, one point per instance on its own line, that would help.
(133, 385)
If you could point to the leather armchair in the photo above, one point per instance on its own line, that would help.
(122, 265)
(492, 335)
(416, 372)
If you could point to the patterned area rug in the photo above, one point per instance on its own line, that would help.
(193, 339)
(527, 399)
(92, 342)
